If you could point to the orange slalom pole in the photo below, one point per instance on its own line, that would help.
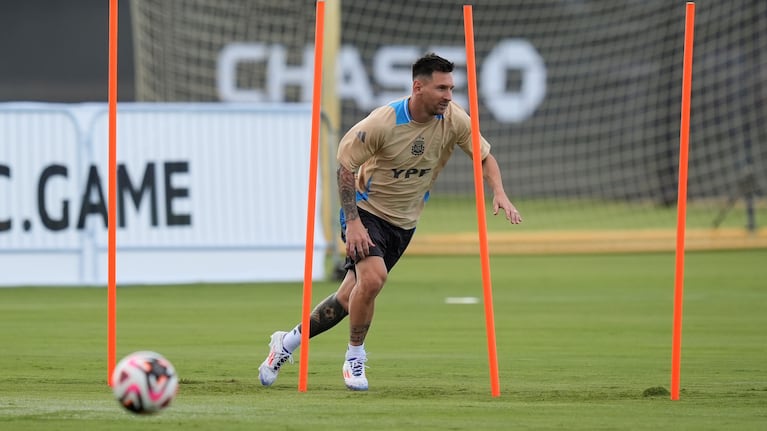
(684, 143)
(468, 25)
(319, 30)
(112, 193)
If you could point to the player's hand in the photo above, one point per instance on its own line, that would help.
(511, 212)
(358, 242)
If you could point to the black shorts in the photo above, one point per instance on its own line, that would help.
(390, 241)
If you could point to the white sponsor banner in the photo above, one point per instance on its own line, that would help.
(206, 192)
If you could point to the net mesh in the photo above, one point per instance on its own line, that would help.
(579, 98)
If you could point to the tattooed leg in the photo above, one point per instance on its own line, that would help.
(326, 315)
(358, 333)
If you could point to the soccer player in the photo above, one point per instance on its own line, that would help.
(387, 165)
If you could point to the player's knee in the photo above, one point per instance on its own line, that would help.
(370, 284)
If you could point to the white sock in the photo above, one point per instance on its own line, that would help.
(292, 340)
(356, 352)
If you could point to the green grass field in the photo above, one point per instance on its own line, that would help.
(446, 214)
(580, 338)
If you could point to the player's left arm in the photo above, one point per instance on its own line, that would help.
(492, 174)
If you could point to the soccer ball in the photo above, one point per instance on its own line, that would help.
(144, 382)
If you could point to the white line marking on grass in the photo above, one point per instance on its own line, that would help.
(461, 300)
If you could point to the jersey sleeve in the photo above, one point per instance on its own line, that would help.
(362, 140)
(463, 132)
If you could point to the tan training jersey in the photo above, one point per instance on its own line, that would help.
(397, 159)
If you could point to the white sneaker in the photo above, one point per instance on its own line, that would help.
(269, 369)
(354, 374)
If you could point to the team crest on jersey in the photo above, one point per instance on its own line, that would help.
(418, 146)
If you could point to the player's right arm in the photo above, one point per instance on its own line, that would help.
(358, 241)
(356, 147)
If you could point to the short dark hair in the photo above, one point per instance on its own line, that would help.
(430, 63)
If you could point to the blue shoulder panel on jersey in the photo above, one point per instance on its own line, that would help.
(403, 114)
(400, 108)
